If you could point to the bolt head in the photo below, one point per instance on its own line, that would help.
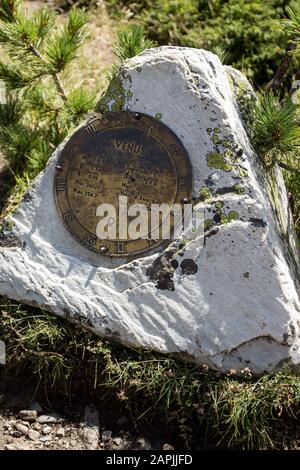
(185, 200)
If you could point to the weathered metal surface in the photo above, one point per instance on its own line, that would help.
(119, 154)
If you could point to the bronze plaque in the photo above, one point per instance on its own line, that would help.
(119, 154)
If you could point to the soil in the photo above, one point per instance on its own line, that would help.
(28, 421)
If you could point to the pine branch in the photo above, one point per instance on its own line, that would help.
(55, 76)
(60, 87)
(131, 42)
(63, 46)
(10, 112)
(14, 78)
(9, 10)
(289, 168)
(282, 70)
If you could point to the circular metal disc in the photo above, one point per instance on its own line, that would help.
(119, 154)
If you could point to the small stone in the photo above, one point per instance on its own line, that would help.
(46, 430)
(28, 415)
(33, 435)
(117, 440)
(16, 446)
(21, 428)
(50, 418)
(25, 423)
(37, 426)
(90, 431)
(143, 443)
(45, 439)
(12, 422)
(90, 438)
(60, 432)
(106, 435)
(47, 443)
(167, 447)
(16, 433)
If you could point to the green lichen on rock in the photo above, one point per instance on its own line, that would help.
(242, 91)
(158, 116)
(219, 204)
(114, 98)
(215, 139)
(233, 215)
(238, 189)
(226, 218)
(226, 155)
(217, 160)
(205, 193)
(6, 225)
(243, 173)
(208, 224)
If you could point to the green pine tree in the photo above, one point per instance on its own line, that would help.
(39, 111)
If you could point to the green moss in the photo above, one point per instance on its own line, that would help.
(217, 160)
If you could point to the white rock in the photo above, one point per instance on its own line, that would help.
(240, 308)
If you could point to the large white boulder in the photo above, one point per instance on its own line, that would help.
(232, 303)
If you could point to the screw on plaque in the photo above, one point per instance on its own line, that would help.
(59, 168)
(103, 249)
(137, 116)
(185, 200)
